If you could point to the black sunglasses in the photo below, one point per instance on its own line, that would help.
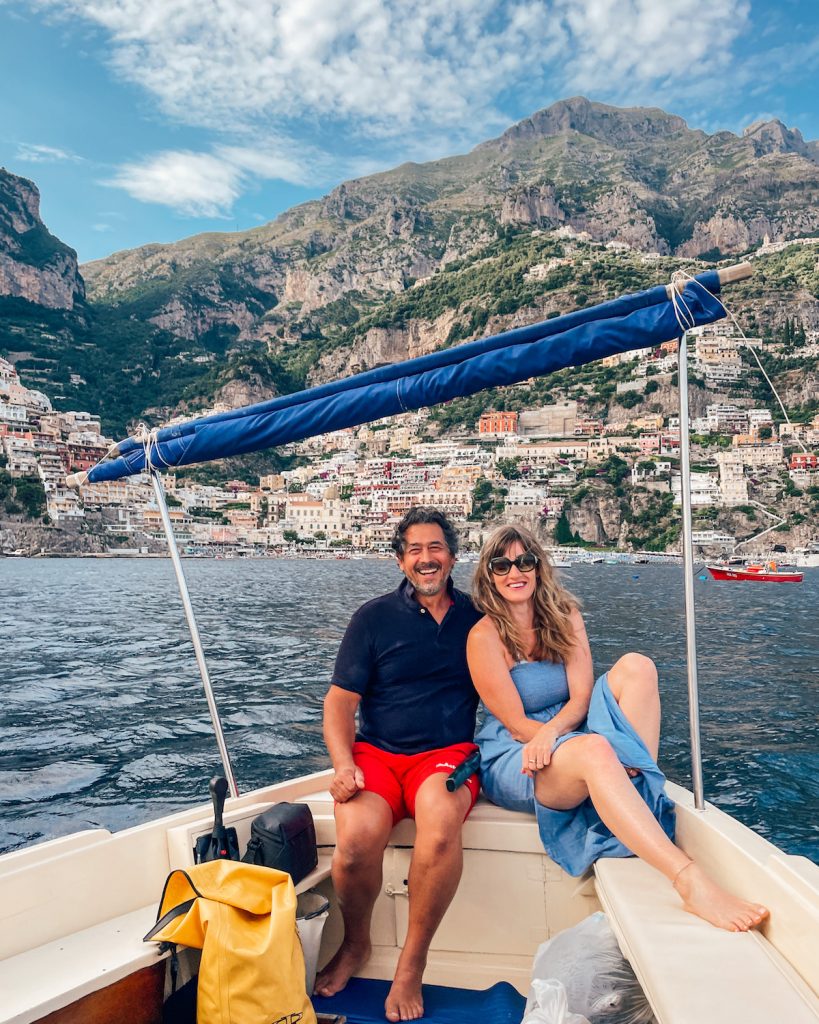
(502, 565)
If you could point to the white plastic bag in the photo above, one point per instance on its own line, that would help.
(599, 982)
(550, 1005)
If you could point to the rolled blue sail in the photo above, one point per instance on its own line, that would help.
(631, 322)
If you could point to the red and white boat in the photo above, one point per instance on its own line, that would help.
(767, 572)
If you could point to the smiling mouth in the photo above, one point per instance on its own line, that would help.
(428, 570)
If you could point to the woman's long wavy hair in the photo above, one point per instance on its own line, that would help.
(553, 604)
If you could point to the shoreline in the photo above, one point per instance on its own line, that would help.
(560, 561)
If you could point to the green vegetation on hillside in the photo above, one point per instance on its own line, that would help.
(21, 495)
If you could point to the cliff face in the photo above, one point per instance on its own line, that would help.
(636, 176)
(34, 265)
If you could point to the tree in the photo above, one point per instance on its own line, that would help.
(628, 399)
(486, 499)
(30, 494)
(290, 536)
(563, 532)
(509, 469)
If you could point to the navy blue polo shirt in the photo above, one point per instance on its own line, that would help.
(411, 672)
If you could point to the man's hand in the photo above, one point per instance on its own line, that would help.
(346, 783)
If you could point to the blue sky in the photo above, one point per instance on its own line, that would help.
(150, 120)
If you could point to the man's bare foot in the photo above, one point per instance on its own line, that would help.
(341, 968)
(706, 899)
(405, 1001)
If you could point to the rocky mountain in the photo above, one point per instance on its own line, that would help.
(399, 263)
(34, 265)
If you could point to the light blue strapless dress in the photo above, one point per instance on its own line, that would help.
(574, 839)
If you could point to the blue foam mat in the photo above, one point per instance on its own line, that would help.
(362, 1002)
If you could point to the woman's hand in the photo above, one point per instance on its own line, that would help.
(537, 753)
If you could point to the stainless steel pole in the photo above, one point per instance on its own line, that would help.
(159, 491)
(688, 570)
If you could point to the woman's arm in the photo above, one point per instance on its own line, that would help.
(486, 656)
(580, 676)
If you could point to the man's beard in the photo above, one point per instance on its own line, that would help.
(429, 588)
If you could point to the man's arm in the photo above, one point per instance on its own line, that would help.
(340, 707)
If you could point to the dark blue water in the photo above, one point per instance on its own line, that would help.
(104, 722)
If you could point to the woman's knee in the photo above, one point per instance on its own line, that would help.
(594, 754)
(634, 669)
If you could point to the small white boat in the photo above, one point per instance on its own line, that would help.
(74, 911)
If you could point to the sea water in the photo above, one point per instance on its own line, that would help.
(104, 721)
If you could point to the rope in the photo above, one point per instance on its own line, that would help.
(148, 438)
(683, 315)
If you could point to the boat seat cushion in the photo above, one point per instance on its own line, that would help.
(728, 977)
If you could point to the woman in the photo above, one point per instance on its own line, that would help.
(582, 755)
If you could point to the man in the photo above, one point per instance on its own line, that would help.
(402, 667)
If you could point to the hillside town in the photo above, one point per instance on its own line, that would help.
(347, 488)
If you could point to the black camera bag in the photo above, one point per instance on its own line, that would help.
(284, 837)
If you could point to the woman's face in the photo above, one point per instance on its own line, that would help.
(516, 586)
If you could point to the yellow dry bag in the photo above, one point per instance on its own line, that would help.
(243, 918)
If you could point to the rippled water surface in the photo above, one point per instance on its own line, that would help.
(104, 722)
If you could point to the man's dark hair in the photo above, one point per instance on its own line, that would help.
(421, 515)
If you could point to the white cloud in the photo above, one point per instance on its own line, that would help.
(202, 184)
(383, 65)
(44, 154)
(620, 44)
(268, 162)
(195, 184)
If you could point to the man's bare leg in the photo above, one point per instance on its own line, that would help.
(363, 826)
(435, 871)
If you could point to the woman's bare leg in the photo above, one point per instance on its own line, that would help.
(633, 681)
(587, 766)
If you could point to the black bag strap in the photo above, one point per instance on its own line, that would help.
(253, 853)
(172, 914)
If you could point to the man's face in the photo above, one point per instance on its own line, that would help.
(427, 561)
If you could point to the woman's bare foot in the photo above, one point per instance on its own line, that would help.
(706, 899)
(405, 1001)
(341, 968)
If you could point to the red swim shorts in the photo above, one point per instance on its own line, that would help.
(398, 777)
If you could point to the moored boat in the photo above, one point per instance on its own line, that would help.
(768, 573)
